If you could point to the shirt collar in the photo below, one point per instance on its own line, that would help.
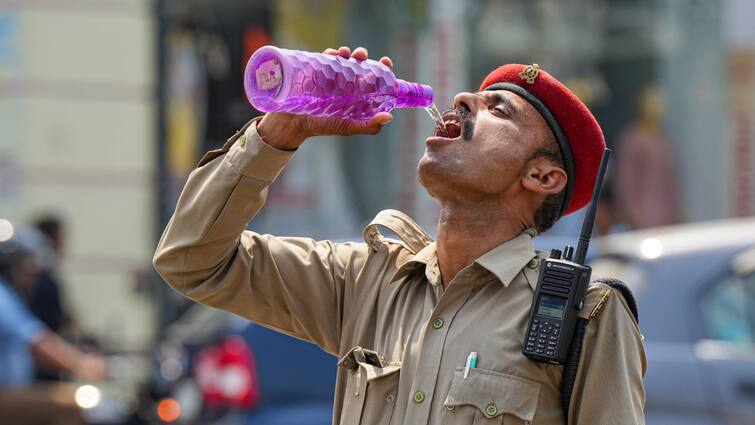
(426, 258)
(505, 261)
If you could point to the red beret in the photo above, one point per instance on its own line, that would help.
(577, 132)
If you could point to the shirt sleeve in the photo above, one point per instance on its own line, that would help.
(293, 285)
(608, 387)
(16, 321)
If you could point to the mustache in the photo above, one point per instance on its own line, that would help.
(466, 116)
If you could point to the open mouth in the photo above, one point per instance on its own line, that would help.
(452, 124)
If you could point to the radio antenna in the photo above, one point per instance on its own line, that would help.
(587, 225)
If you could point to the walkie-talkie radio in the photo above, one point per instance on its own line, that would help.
(560, 291)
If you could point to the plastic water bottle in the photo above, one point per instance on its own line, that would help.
(318, 84)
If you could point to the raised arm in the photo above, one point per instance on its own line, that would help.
(294, 285)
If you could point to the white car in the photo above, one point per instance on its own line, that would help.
(695, 287)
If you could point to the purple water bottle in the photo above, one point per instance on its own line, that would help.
(281, 80)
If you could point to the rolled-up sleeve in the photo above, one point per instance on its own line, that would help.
(294, 285)
(608, 387)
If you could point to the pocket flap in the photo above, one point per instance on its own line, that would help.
(494, 393)
(358, 355)
(368, 360)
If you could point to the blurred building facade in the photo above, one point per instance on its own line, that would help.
(101, 121)
(77, 118)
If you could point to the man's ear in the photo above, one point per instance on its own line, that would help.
(544, 177)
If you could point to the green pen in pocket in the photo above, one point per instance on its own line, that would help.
(471, 363)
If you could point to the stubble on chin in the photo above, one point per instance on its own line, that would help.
(438, 178)
(428, 175)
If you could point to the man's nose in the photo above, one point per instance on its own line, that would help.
(470, 100)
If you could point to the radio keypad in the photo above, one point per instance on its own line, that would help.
(543, 337)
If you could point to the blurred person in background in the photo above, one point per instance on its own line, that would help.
(645, 185)
(607, 220)
(24, 338)
(45, 297)
(403, 316)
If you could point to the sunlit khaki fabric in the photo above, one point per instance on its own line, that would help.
(380, 307)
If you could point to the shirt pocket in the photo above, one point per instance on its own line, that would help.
(487, 397)
(371, 387)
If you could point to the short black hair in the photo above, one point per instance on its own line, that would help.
(550, 210)
(49, 225)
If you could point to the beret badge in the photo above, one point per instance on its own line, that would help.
(530, 73)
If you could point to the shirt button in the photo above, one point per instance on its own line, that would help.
(389, 398)
(533, 263)
(438, 323)
(418, 397)
(491, 410)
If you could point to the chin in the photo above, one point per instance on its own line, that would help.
(426, 173)
(435, 178)
(449, 181)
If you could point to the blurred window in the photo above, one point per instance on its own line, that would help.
(728, 309)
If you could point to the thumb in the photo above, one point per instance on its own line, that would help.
(381, 118)
(376, 123)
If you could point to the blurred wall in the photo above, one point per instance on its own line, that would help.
(692, 67)
(77, 122)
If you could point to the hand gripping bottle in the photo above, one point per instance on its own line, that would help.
(318, 84)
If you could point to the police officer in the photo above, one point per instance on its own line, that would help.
(403, 315)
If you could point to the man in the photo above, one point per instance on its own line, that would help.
(403, 315)
(645, 183)
(22, 339)
(45, 299)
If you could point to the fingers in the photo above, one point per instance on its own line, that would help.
(360, 53)
(345, 52)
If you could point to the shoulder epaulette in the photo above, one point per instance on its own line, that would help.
(410, 235)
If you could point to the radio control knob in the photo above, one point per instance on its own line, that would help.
(556, 254)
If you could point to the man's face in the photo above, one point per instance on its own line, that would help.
(491, 134)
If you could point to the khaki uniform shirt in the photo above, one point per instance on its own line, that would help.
(402, 340)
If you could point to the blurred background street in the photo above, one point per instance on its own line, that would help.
(107, 105)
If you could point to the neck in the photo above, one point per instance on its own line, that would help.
(466, 231)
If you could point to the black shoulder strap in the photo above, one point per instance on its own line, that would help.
(625, 291)
(571, 365)
(575, 348)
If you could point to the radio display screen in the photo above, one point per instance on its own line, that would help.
(551, 306)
